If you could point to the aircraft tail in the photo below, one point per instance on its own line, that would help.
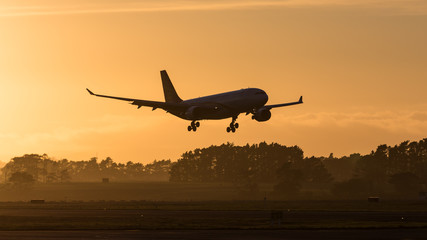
(168, 89)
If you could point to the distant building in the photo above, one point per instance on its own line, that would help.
(105, 180)
(373, 199)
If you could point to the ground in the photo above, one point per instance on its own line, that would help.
(214, 220)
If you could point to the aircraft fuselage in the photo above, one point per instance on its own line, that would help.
(225, 105)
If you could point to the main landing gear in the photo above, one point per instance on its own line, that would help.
(193, 126)
(233, 125)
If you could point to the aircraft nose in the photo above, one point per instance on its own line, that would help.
(262, 96)
(265, 97)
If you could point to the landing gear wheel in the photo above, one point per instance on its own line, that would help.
(193, 126)
(233, 125)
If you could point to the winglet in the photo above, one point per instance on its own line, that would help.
(300, 99)
(91, 93)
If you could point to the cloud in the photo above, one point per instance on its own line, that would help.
(420, 116)
(342, 133)
(108, 124)
(409, 7)
(408, 122)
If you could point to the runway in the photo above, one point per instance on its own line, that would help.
(398, 234)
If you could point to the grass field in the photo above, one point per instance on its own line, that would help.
(154, 191)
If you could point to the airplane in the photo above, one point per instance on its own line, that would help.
(218, 106)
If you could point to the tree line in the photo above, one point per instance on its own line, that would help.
(401, 169)
(43, 169)
(247, 166)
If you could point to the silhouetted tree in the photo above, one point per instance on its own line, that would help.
(290, 180)
(374, 167)
(229, 163)
(406, 184)
(341, 169)
(64, 176)
(21, 178)
(49, 171)
(29, 163)
(157, 170)
(313, 171)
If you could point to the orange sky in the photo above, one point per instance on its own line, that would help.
(361, 66)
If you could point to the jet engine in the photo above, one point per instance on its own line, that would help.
(193, 113)
(262, 115)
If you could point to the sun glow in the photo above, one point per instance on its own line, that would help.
(360, 66)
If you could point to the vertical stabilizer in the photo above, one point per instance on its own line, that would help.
(168, 89)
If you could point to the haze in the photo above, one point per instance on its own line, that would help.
(361, 67)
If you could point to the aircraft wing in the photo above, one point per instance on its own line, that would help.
(284, 104)
(145, 103)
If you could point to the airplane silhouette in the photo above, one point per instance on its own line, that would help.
(218, 106)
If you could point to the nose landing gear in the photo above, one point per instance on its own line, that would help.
(233, 125)
(193, 126)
